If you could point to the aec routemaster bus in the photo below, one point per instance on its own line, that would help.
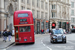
(24, 26)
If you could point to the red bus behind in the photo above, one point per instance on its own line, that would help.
(24, 26)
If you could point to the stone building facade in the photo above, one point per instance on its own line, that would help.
(72, 13)
(39, 8)
(58, 11)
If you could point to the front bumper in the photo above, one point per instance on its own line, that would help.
(55, 40)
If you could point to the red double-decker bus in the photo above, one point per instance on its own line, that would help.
(24, 26)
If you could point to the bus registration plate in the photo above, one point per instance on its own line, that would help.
(25, 39)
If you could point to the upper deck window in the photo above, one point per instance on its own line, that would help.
(23, 15)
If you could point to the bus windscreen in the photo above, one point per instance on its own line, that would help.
(23, 15)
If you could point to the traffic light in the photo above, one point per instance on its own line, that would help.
(67, 22)
(53, 25)
(49, 26)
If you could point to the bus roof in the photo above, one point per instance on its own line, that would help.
(24, 11)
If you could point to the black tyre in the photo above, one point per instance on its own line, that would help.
(65, 41)
(33, 42)
(51, 41)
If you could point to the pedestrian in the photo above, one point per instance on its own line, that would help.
(69, 31)
(5, 35)
(46, 30)
(13, 32)
(9, 35)
(42, 31)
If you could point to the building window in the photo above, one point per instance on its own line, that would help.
(42, 4)
(46, 7)
(4, 3)
(53, 14)
(28, 1)
(46, 25)
(22, 7)
(42, 25)
(33, 11)
(68, 1)
(72, 20)
(38, 3)
(28, 8)
(72, 12)
(33, 2)
(53, 6)
(42, 15)
(45, 15)
(72, 4)
(38, 14)
(23, 1)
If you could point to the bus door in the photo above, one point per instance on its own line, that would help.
(16, 35)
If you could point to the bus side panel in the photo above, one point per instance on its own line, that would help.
(32, 30)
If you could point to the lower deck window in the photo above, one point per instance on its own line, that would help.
(25, 29)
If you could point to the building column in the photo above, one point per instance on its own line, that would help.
(1, 24)
(36, 26)
(19, 2)
(1, 15)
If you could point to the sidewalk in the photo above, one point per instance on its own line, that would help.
(4, 44)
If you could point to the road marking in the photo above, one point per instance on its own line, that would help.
(45, 45)
(71, 42)
(2, 49)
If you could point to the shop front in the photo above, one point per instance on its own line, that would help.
(64, 25)
(42, 27)
(38, 27)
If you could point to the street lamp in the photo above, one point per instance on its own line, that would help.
(49, 16)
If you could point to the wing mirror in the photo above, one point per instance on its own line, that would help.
(64, 32)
